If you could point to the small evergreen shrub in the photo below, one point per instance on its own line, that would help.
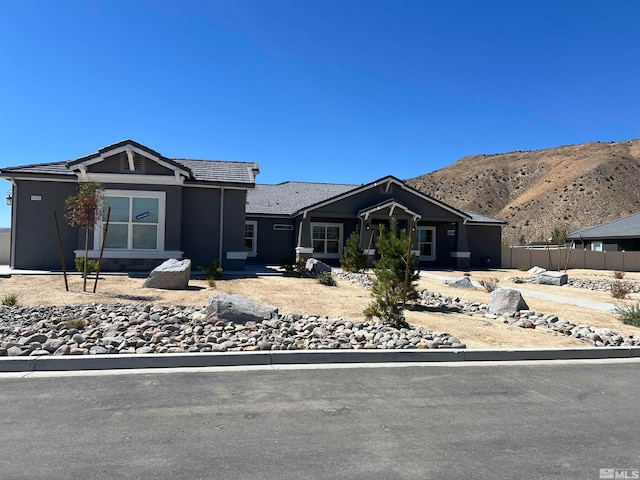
(629, 314)
(10, 300)
(353, 257)
(523, 268)
(92, 265)
(618, 275)
(212, 272)
(388, 285)
(301, 268)
(327, 279)
(490, 284)
(620, 289)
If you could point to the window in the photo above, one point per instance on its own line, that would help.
(136, 222)
(427, 242)
(327, 239)
(596, 246)
(251, 238)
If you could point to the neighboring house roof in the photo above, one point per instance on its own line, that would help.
(292, 198)
(288, 198)
(208, 171)
(627, 227)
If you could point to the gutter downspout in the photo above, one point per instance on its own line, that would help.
(221, 223)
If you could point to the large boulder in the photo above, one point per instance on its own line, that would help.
(315, 267)
(463, 282)
(536, 270)
(238, 309)
(552, 278)
(170, 275)
(506, 301)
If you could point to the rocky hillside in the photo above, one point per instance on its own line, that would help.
(537, 191)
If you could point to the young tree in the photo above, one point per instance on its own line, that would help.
(388, 288)
(83, 210)
(353, 257)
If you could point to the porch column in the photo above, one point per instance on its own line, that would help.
(462, 256)
(304, 248)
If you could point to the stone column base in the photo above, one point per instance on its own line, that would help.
(303, 253)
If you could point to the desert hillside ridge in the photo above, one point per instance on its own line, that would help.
(539, 191)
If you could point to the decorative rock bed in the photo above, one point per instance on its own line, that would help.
(592, 335)
(145, 328)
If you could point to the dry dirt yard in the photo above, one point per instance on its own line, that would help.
(306, 296)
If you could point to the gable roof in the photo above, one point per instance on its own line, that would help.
(195, 171)
(294, 198)
(626, 227)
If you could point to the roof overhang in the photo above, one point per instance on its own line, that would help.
(80, 165)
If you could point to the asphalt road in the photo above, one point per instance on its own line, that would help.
(500, 421)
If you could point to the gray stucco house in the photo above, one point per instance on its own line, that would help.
(298, 220)
(614, 236)
(209, 210)
(161, 208)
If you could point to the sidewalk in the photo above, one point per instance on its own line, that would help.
(578, 302)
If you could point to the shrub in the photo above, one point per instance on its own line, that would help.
(10, 300)
(523, 268)
(618, 275)
(327, 279)
(620, 289)
(629, 314)
(353, 256)
(518, 280)
(490, 284)
(301, 268)
(213, 272)
(92, 266)
(388, 286)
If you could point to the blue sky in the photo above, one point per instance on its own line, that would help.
(341, 91)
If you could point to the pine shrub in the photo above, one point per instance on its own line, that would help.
(388, 285)
(353, 258)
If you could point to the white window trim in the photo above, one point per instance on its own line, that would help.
(254, 250)
(162, 201)
(340, 239)
(597, 246)
(433, 243)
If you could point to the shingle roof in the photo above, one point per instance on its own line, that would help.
(220, 171)
(289, 197)
(627, 227)
(201, 170)
(480, 218)
(53, 168)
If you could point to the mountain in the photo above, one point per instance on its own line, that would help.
(537, 191)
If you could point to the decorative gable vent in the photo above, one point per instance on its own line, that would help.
(125, 165)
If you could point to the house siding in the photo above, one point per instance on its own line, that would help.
(273, 246)
(485, 244)
(34, 227)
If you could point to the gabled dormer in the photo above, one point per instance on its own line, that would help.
(129, 162)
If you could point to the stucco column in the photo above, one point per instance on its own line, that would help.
(461, 257)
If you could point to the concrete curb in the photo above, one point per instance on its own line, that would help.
(301, 357)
